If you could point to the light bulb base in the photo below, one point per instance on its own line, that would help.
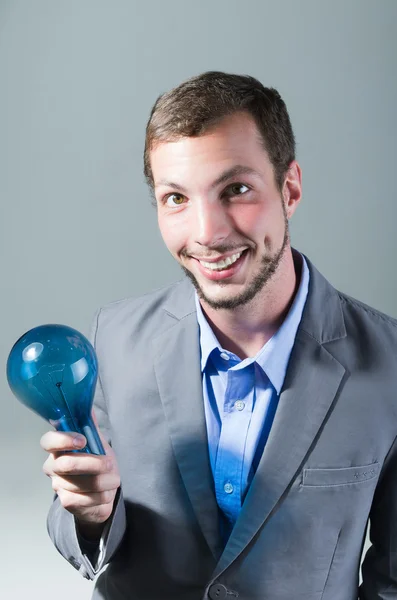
(93, 440)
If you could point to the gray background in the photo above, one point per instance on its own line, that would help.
(77, 81)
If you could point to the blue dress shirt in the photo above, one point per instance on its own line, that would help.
(240, 401)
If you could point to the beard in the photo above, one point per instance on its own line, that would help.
(268, 267)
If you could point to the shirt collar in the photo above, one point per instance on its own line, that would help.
(208, 340)
(274, 356)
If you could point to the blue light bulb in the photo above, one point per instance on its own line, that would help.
(52, 369)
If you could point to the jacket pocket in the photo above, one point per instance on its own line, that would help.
(339, 476)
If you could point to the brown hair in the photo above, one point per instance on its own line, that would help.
(199, 103)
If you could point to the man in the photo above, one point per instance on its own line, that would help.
(250, 407)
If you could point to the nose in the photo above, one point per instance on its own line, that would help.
(211, 222)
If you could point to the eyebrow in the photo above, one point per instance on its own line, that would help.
(223, 178)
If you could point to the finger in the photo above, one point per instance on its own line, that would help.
(62, 441)
(95, 514)
(86, 483)
(82, 464)
(48, 466)
(73, 501)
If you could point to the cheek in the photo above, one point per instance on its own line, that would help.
(172, 233)
(260, 224)
(252, 221)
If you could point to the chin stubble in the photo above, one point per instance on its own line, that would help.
(268, 267)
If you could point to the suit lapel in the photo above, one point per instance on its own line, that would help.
(177, 368)
(311, 387)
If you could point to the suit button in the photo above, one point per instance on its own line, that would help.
(217, 591)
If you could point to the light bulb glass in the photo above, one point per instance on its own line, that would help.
(52, 369)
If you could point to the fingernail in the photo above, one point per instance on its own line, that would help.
(78, 441)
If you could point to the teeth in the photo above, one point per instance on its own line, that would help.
(218, 266)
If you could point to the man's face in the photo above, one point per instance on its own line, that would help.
(220, 212)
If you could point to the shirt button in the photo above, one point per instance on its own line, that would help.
(239, 404)
(228, 488)
(225, 356)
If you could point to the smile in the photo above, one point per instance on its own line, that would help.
(222, 264)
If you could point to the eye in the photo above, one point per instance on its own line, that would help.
(236, 189)
(174, 200)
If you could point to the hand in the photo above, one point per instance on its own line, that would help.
(86, 484)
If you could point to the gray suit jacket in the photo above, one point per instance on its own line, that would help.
(329, 466)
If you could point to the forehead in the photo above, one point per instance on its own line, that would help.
(234, 140)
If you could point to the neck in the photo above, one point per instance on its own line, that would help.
(245, 329)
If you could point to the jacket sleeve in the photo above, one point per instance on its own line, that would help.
(379, 569)
(87, 558)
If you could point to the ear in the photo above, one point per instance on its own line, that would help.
(292, 188)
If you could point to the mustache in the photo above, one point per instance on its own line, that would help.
(215, 250)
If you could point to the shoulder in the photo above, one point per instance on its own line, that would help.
(368, 324)
(353, 307)
(153, 299)
(149, 312)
